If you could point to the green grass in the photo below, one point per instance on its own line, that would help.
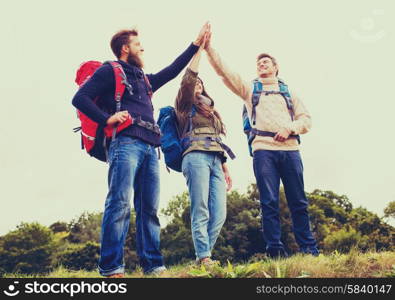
(353, 265)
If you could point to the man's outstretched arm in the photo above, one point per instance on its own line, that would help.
(170, 72)
(231, 79)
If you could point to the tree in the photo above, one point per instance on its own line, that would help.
(86, 228)
(341, 201)
(239, 239)
(59, 227)
(389, 211)
(83, 249)
(334, 222)
(176, 237)
(336, 208)
(241, 236)
(130, 253)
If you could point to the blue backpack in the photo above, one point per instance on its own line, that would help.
(170, 139)
(251, 131)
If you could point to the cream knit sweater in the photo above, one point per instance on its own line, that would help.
(271, 113)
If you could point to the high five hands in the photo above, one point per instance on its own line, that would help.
(204, 36)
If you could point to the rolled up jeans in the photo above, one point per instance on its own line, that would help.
(133, 170)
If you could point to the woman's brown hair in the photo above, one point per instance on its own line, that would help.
(209, 111)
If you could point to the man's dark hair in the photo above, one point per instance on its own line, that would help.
(274, 61)
(121, 38)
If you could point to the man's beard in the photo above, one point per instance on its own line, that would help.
(135, 60)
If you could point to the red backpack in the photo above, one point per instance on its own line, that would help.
(94, 138)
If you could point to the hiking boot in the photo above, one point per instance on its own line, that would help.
(276, 253)
(207, 262)
(117, 275)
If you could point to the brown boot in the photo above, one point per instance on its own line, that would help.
(117, 275)
(207, 262)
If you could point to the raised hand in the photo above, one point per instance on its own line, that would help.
(208, 40)
(205, 29)
(203, 44)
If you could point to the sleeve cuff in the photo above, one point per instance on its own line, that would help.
(194, 47)
(291, 128)
(104, 119)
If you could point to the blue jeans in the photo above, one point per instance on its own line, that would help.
(207, 191)
(134, 169)
(269, 168)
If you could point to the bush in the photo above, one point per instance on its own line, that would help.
(28, 249)
(83, 256)
(344, 240)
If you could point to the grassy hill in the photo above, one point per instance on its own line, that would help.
(354, 265)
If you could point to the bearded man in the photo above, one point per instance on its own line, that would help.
(132, 156)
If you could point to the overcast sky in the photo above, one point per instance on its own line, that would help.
(336, 55)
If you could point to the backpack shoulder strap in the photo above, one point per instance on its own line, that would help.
(287, 97)
(283, 87)
(149, 86)
(191, 114)
(188, 128)
(120, 86)
(256, 95)
(246, 122)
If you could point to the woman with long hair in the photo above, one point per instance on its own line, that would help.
(204, 160)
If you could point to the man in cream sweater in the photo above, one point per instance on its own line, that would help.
(275, 157)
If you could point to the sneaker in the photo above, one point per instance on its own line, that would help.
(157, 271)
(116, 275)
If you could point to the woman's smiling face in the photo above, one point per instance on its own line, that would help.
(198, 87)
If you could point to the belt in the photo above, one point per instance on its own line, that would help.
(255, 131)
(208, 140)
(147, 125)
